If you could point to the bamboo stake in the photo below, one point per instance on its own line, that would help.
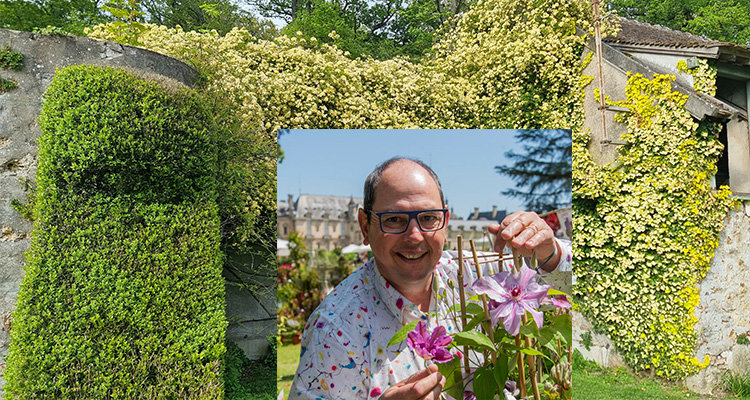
(532, 359)
(463, 300)
(490, 332)
(490, 255)
(521, 368)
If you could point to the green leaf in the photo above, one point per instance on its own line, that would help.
(563, 324)
(474, 308)
(401, 334)
(532, 352)
(501, 370)
(555, 292)
(451, 370)
(474, 322)
(484, 384)
(474, 338)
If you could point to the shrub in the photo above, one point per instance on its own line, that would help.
(123, 295)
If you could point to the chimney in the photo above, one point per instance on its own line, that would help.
(476, 213)
(290, 200)
(494, 212)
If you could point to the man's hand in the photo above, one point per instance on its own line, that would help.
(528, 233)
(423, 385)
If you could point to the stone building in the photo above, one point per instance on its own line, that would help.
(723, 313)
(324, 222)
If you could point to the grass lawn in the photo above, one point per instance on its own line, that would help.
(592, 382)
(286, 365)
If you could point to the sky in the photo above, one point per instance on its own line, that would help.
(336, 162)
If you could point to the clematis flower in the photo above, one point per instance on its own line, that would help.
(430, 346)
(511, 296)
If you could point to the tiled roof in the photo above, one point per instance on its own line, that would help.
(641, 33)
(324, 206)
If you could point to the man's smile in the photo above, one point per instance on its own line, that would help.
(411, 255)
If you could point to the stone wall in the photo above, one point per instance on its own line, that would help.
(252, 316)
(723, 313)
(724, 310)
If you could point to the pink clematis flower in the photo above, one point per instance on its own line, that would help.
(511, 296)
(559, 301)
(430, 346)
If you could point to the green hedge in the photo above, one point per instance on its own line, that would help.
(123, 295)
(106, 131)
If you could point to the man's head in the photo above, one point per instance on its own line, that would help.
(399, 184)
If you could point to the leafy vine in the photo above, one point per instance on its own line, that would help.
(647, 228)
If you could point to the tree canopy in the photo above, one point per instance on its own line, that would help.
(725, 20)
(544, 168)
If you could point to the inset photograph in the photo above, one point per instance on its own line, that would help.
(425, 263)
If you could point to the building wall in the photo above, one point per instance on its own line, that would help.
(724, 310)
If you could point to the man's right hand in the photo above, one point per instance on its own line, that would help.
(423, 385)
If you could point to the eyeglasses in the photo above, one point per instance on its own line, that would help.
(398, 221)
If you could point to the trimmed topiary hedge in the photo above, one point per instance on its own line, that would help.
(123, 295)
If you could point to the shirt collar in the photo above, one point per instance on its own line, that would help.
(402, 308)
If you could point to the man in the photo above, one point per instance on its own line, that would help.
(344, 347)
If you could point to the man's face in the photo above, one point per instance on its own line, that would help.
(405, 259)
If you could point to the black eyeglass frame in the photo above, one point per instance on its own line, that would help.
(412, 215)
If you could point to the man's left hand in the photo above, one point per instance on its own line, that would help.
(527, 232)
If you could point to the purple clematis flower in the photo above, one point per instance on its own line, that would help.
(430, 346)
(560, 301)
(511, 296)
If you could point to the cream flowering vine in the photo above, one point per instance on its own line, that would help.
(646, 229)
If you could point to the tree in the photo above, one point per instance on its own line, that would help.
(195, 15)
(71, 16)
(545, 169)
(381, 29)
(725, 20)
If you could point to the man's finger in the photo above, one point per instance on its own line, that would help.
(417, 386)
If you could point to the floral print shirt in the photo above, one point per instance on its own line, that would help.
(345, 352)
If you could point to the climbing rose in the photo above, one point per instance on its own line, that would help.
(430, 347)
(511, 296)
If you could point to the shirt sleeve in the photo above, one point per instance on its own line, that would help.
(566, 256)
(330, 367)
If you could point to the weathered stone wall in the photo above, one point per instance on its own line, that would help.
(723, 313)
(251, 317)
(724, 310)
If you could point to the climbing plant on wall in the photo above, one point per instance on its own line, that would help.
(12, 60)
(647, 226)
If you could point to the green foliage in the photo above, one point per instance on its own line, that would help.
(586, 340)
(7, 85)
(202, 15)
(737, 383)
(119, 300)
(544, 168)
(11, 59)
(647, 227)
(70, 16)
(379, 29)
(743, 339)
(726, 20)
(123, 295)
(247, 379)
(126, 137)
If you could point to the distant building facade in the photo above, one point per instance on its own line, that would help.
(324, 222)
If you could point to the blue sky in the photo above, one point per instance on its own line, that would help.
(336, 162)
